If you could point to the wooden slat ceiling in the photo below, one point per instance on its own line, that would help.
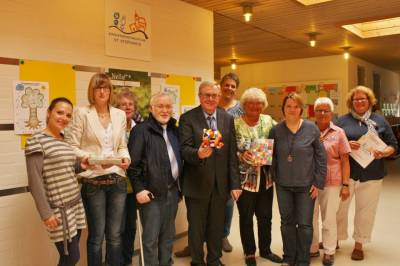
(278, 30)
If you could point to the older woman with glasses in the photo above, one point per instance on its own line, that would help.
(299, 170)
(365, 183)
(257, 195)
(336, 181)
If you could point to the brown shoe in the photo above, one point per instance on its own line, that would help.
(357, 254)
(226, 246)
(183, 253)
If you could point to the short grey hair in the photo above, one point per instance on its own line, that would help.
(323, 100)
(254, 94)
(158, 95)
(208, 84)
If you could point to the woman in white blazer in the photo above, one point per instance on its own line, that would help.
(98, 131)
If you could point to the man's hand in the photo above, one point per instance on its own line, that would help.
(344, 193)
(235, 194)
(204, 152)
(143, 196)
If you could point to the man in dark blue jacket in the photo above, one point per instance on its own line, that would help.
(154, 171)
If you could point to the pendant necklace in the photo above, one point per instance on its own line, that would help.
(290, 157)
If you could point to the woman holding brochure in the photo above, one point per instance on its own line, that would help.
(365, 183)
(252, 128)
(98, 132)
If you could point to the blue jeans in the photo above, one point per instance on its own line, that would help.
(104, 205)
(296, 208)
(228, 217)
(158, 222)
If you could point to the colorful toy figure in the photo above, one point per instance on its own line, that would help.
(212, 138)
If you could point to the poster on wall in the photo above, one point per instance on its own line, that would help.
(138, 82)
(174, 91)
(30, 106)
(128, 29)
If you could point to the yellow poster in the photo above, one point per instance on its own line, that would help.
(187, 89)
(60, 77)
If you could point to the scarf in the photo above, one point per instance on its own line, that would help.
(365, 118)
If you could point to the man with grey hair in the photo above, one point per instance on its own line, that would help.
(209, 174)
(154, 173)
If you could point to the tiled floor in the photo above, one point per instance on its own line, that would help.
(383, 250)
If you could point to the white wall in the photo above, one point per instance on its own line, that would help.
(390, 80)
(298, 70)
(73, 32)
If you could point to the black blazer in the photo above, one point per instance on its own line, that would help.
(221, 168)
(150, 167)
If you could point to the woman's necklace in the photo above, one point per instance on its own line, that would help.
(103, 115)
(290, 157)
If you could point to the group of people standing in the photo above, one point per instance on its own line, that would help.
(158, 162)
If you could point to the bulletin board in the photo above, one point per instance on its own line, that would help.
(309, 92)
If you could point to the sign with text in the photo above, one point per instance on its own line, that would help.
(128, 29)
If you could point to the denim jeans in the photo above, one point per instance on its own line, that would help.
(104, 205)
(158, 222)
(259, 204)
(228, 217)
(73, 251)
(296, 208)
(129, 229)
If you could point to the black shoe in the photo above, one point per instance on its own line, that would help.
(218, 264)
(328, 260)
(250, 260)
(272, 257)
(183, 253)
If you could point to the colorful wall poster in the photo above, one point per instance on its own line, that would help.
(187, 89)
(174, 91)
(31, 100)
(138, 82)
(128, 29)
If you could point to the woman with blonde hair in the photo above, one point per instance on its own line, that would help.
(365, 183)
(98, 132)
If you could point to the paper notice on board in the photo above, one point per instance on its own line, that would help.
(369, 142)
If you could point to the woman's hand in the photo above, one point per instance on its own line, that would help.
(85, 163)
(248, 157)
(51, 222)
(125, 163)
(313, 192)
(354, 145)
(344, 193)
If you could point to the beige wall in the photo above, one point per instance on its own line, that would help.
(73, 32)
(390, 80)
(317, 68)
(299, 70)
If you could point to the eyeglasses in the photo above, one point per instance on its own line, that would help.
(102, 89)
(209, 96)
(360, 100)
(163, 106)
(322, 112)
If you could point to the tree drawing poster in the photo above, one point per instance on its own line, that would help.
(30, 106)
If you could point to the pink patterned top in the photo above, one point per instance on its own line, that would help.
(336, 144)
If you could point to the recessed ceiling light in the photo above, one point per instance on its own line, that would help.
(312, 2)
(375, 28)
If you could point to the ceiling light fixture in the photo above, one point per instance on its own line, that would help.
(346, 53)
(312, 38)
(247, 11)
(233, 64)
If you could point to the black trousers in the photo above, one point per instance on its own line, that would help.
(206, 217)
(73, 250)
(129, 229)
(260, 204)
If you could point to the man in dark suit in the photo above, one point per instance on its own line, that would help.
(210, 175)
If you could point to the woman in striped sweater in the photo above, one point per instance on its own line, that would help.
(50, 165)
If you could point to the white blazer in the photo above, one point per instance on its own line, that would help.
(86, 133)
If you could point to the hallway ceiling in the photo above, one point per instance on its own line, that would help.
(278, 30)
